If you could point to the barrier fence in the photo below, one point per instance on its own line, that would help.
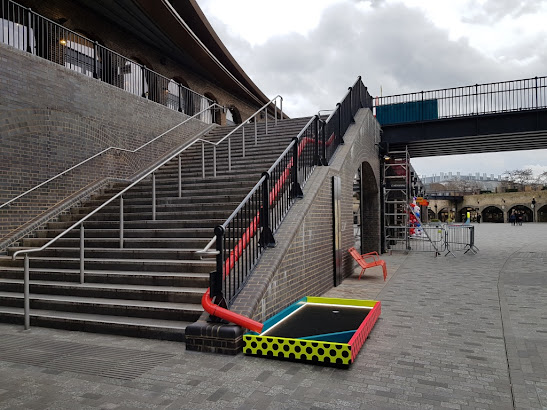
(439, 239)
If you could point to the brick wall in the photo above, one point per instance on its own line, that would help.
(302, 262)
(51, 118)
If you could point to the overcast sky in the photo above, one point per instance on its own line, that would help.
(311, 51)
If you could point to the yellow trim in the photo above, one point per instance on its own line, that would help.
(339, 301)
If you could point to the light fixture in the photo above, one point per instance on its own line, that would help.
(63, 42)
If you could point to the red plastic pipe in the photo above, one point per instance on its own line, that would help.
(230, 316)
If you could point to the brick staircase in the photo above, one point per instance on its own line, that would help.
(151, 287)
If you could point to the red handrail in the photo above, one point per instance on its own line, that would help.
(206, 301)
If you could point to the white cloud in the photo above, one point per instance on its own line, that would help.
(310, 51)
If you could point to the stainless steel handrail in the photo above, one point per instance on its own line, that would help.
(26, 278)
(242, 126)
(102, 152)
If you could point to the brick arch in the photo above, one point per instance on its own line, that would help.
(523, 210)
(542, 214)
(492, 213)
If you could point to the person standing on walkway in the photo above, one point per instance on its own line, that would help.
(513, 218)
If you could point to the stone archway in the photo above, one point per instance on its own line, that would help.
(492, 214)
(522, 212)
(443, 215)
(368, 211)
(542, 214)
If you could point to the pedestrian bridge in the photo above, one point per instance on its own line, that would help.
(493, 117)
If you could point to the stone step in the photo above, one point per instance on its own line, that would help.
(181, 279)
(147, 216)
(120, 253)
(129, 233)
(108, 290)
(225, 202)
(147, 265)
(103, 306)
(144, 224)
(119, 325)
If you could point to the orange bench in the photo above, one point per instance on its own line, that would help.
(368, 260)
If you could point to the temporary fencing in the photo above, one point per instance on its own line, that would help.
(460, 238)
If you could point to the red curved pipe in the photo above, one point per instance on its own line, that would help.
(206, 300)
(222, 313)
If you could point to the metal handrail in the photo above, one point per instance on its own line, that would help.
(205, 250)
(26, 279)
(102, 152)
(242, 126)
(29, 19)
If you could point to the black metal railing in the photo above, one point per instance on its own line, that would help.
(25, 30)
(478, 99)
(241, 240)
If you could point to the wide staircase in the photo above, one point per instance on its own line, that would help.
(150, 283)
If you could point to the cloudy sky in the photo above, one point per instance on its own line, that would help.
(311, 51)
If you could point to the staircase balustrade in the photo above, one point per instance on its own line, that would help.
(119, 195)
(241, 240)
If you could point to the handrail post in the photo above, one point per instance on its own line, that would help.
(266, 236)
(275, 111)
(215, 277)
(316, 142)
(143, 68)
(296, 190)
(281, 108)
(82, 253)
(29, 14)
(339, 108)
(229, 155)
(202, 159)
(324, 160)
(243, 139)
(266, 115)
(153, 196)
(95, 57)
(26, 291)
(180, 99)
(536, 86)
(180, 177)
(121, 222)
(214, 161)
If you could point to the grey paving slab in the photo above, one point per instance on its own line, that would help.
(464, 332)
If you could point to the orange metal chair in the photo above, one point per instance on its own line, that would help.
(368, 260)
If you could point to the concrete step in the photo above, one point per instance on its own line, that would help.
(147, 216)
(179, 205)
(117, 253)
(144, 224)
(128, 233)
(108, 290)
(103, 306)
(147, 265)
(180, 279)
(120, 325)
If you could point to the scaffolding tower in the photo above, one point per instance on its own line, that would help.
(397, 191)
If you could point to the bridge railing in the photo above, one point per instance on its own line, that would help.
(478, 99)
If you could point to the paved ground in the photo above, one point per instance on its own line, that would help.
(459, 333)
